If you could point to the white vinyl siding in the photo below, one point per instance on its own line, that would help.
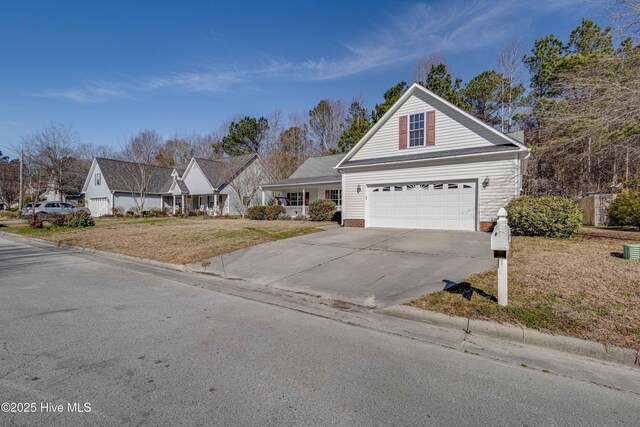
(450, 134)
(196, 181)
(500, 170)
(128, 202)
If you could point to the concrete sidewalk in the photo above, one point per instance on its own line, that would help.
(368, 267)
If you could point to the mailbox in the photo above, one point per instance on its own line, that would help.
(500, 240)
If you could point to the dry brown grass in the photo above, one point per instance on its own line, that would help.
(580, 287)
(178, 241)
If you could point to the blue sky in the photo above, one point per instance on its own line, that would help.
(111, 68)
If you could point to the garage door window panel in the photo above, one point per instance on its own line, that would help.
(422, 205)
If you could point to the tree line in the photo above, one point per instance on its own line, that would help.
(576, 99)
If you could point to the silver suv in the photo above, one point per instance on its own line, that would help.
(60, 208)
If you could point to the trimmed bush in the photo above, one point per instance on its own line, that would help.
(322, 210)
(284, 217)
(625, 211)
(257, 212)
(56, 220)
(9, 214)
(546, 216)
(272, 212)
(78, 219)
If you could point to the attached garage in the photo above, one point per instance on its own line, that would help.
(425, 205)
(428, 164)
(99, 206)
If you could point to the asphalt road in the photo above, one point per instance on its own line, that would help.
(143, 345)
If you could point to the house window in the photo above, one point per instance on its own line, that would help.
(335, 196)
(98, 179)
(416, 130)
(295, 199)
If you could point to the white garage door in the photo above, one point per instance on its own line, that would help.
(445, 206)
(99, 206)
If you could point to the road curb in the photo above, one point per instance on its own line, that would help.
(625, 356)
(566, 344)
(176, 267)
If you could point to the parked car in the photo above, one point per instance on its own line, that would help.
(60, 208)
(26, 210)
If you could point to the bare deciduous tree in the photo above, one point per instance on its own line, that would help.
(625, 15)
(511, 66)
(51, 160)
(326, 122)
(244, 182)
(137, 170)
(423, 68)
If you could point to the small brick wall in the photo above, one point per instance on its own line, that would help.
(487, 226)
(353, 222)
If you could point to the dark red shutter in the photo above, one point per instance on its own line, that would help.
(430, 127)
(402, 141)
(327, 194)
(306, 198)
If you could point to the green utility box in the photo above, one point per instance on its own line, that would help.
(632, 252)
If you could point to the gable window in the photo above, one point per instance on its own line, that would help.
(334, 195)
(416, 130)
(98, 179)
(295, 199)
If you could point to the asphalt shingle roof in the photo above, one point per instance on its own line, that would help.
(313, 170)
(221, 171)
(117, 174)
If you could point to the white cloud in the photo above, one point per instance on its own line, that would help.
(451, 28)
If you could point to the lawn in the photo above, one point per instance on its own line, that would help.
(579, 287)
(179, 241)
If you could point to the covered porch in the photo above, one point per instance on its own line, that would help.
(210, 204)
(296, 199)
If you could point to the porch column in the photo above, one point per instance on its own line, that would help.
(173, 207)
(183, 204)
(215, 204)
(263, 200)
(304, 208)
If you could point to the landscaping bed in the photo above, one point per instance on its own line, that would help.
(580, 286)
(174, 240)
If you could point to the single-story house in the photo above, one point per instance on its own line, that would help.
(425, 164)
(202, 184)
(315, 179)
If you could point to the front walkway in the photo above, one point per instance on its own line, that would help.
(370, 267)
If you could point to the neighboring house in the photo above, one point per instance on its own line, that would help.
(315, 179)
(201, 184)
(52, 194)
(428, 164)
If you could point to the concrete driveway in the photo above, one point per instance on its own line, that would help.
(373, 267)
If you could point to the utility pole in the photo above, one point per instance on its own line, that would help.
(21, 162)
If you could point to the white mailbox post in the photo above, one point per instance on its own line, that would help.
(500, 245)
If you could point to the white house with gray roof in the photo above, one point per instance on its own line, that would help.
(315, 179)
(425, 164)
(202, 184)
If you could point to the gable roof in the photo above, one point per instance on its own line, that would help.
(115, 173)
(314, 170)
(492, 134)
(220, 171)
